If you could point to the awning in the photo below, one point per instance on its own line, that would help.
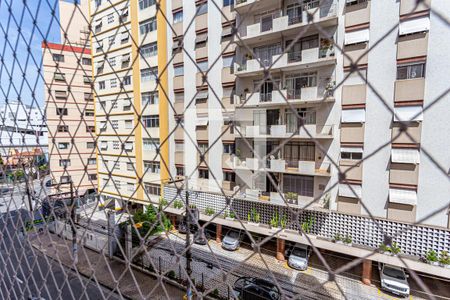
(201, 122)
(125, 58)
(346, 191)
(405, 156)
(352, 149)
(202, 95)
(227, 31)
(408, 113)
(414, 25)
(355, 37)
(353, 116)
(203, 37)
(401, 196)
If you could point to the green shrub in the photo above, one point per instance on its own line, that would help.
(274, 222)
(215, 293)
(232, 215)
(444, 258)
(385, 248)
(308, 224)
(178, 204)
(431, 256)
(395, 248)
(209, 211)
(338, 237)
(347, 239)
(171, 274)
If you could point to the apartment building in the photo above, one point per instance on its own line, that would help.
(128, 114)
(69, 106)
(310, 65)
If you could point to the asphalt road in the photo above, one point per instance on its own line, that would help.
(26, 273)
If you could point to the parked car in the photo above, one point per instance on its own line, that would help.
(182, 227)
(201, 239)
(232, 240)
(252, 288)
(6, 190)
(299, 257)
(394, 279)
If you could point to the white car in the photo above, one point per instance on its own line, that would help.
(394, 279)
(299, 257)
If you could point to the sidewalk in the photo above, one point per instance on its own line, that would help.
(131, 283)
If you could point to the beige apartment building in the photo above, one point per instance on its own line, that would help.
(69, 102)
(127, 110)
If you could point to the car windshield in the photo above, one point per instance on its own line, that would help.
(395, 273)
(233, 234)
(299, 252)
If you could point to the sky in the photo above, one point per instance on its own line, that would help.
(23, 27)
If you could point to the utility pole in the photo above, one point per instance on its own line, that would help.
(72, 224)
(27, 188)
(188, 241)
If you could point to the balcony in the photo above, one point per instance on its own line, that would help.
(409, 90)
(409, 6)
(357, 14)
(280, 131)
(413, 45)
(325, 15)
(289, 61)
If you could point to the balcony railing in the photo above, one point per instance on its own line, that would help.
(288, 130)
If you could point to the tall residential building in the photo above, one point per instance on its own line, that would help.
(290, 62)
(69, 101)
(128, 114)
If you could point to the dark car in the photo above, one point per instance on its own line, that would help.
(182, 227)
(201, 239)
(252, 288)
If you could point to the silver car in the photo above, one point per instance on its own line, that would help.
(231, 241)
(393, 279)
(299, 257)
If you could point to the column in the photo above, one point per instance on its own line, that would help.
(367, 272)
(219, 233)
(280, 249)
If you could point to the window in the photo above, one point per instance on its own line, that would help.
(302, 185)
(61, 111)
(63, 128)
(180, 171)
(149, 74)
(59, 76)
(116, 145)
(228, 2)
(127, 107)
(90, 128)
(130, 187)
(147, 26)
(229, 148)
(98, 26)
(100, 67)
(126, 80)
(202, 66)
(101, 85)
(92, 161)
(61, 94)
(178, 70)
(113, 83)
(149, 50)
(99, 46)
(354, 2)
(298, 151)
(118, 185)
(179, 146)
(178, 17)
(152, 189)
(151, 121)
(111, 40)
(112, 62)
(63, 146)
(143, 4)
(116, 166)
(150, 144)
(114, 104)
(64, 163)
(130, 166)
(104, 146)
(65, 179)
(110, 18)
(86, 61)
(88, 97)
(151, 167)
(124, 15)
(201, 39)
(103, 126)
(115, 124)
(228, 61)
(310, 42)
(125, 36)
(92, 176)
(202, 147)
(125, 60)
(229, 176)
(128, 124)
(353, 116)
(202, 9)
(86, 79)
(351, 153)
(90, 145)
(149, 98)
(203, 174)
(89, 112)
(128, 146)
(98, 3)
(411, 71)
(58, 57)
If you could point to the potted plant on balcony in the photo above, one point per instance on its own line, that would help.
(283, 222)
(253, 217)
(275, 221)
(209, 211)
(178, 204)
(230, 216)
(308, 225)
(444, 259)
(348, 240)
(432, 257)
(329, 88)
(385, 249)
(292, 198)
(395, 249)
(338, 239)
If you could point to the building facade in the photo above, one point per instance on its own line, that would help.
(69, 103)
(128, 114)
